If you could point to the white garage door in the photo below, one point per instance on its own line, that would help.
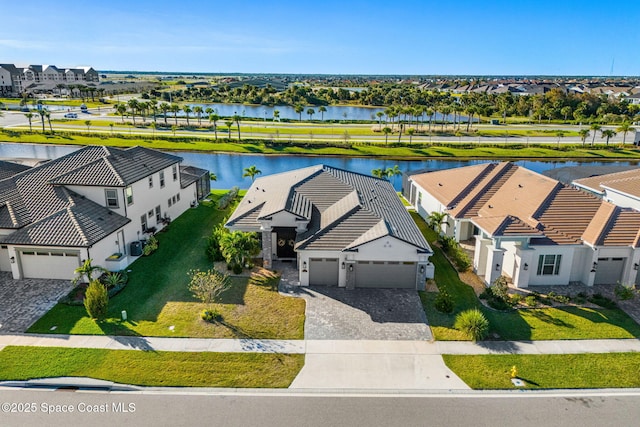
(379, 274)
(49, 264)
(609, 271)
(323, 271)
(5, 263)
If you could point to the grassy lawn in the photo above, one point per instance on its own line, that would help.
(146, 368)
(363, 149)
(158, 302)
(611, 370)
(551, 323)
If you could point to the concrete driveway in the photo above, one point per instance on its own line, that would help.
(22, 302)
(334, 313)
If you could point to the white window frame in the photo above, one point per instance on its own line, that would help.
(161, 179)
(115, 197)
(151, 181)
(174, 171)
(128, 194)
(549, 265)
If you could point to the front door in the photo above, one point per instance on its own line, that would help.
(285, 241)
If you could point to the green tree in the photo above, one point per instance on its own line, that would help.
(386, 130)
(41, 112)
(228, 124)
(86, 270)
(87, 123)
(276, 115)
(164, 107)
(174, 128)
(566, 111)
(121, 109)
(436, 219)
(236, 118)
(584, 133)
(299, 109)
(47, 115)
(608, 133)
(238, 247)
(175, 108)
(379, 173)
(322, 110)
(153, 129)
(29, 117)
(133, 107)
(393, 172)
(213, 118)
(625, 128)
(251, 172)
(198, 110)
(311, 112)
(595, 128)
(187, 110)
(410, 132)
(96, 300)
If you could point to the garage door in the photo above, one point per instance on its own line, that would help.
(609, 271)
(378, 274)
(323, 271)
(49, 264)
(5, 263)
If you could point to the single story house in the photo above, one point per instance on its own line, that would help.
(529, 227)
(340, 228)
(90, 204)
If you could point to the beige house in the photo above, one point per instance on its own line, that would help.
(338, 227)
(531, 228)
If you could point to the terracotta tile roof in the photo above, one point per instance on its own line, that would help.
(627, 182)
(509, 225)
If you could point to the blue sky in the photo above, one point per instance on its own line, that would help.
(561, 37)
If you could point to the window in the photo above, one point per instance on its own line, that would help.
(111, 195)
(143, 223)
(174, 170)
(150, 182)
(549, 265)
(173, 199)
(128, 193)
(419, 198)
(178, 197)
(169, 202)
(158, 214)
(161, 179)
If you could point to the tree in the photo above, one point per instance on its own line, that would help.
(96, 300)
(86, 270)
(174, 108)
(322, 110)
(164, 107)
(238, 247)
(410, 132)
(584, 133)
(436, 219)
(236, 118)
(121, 109)
(595, 128)
(153, 129)
(393, 172)
(213, 118)
(625, 128)
(228, 124)
(608, 133)
(386, 130)
(379, 115)
(566, 111)
(299, 109)
(213, 176)
(198, 110)
(187, 110)
(133, 106)
(251, 172)
(276, 115)
(111, 127)
(208, 285)
(311, 112)
(174, 128)
(47, 115)
(379, 173)
(87, 123)
(29, 117)
(41, 112)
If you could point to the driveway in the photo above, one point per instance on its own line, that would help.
(22, 302)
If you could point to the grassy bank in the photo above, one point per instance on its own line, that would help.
(150, 368)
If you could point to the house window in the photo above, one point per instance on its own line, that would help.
(178, 197)
(161, 179)
(111, 196)
(143, 223)
(419, 198)
(158, 214)
(128, 193)
(174, 170)
(150, 182)
(169, 202)
(549, 265)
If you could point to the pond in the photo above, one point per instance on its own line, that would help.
(229, 167)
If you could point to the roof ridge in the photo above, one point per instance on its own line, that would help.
(12, 214)
(500, 173)
(474, 182)
(113, 169)
(76, 224)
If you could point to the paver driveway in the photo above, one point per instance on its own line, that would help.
(22, 302)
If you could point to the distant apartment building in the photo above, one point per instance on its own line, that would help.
(14, 81)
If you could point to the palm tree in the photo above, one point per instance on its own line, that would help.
(624, 128)
(229, 123)
(41, 111)
(213, 118)
(86, 270)
(187, 110)
(584, 133)
(164, 107)
(430, 113)
(311, 112)
(213, 176)
(299, 109)
(29, 117)
(410, 132)
(379, 115)
(379, 173)
(87, 123)
(236, 118)
(608, 133)
(122, 110)
(111, 127)
(386, 130)
(198, 110)
(436, 219)
(251, 172)
(133, 106)
(174, 108)
(276, 115)
(322, 110)
(393, 172)
(47, 114)
(153, 127)
(595, 128)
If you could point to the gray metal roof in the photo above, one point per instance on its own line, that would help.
(190, 174)
(345, 210)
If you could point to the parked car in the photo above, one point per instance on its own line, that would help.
(71, 116)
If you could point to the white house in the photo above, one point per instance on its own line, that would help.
(341, 228)
(90, 204)
(531, 228)
(620, 188)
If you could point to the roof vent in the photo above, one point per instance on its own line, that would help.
(520, 185)
(490, 206)
(263, 190)
(439, 184)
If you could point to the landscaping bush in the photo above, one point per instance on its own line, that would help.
(443, 302)
(500, 288)
(225, 200)
(211, 315)
(515, 299)
(473, 324)
(531, 301)
(214, 253)
(208, 285)
(602, 301)
(151, 246)
(624, 292)
(237, 269)
(96, 300)
(499, 303)
(453, 250)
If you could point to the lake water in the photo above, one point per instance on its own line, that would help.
(287, 112)
(229, 167)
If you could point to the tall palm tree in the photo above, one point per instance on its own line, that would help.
(87, 123)
(299, 109)
(198, 110)
(430, 113)
(322, 110)
(410, 132)
(41, 112)
(624, 128)
(236, 118)
(229, 123)
(393, 172)
(584, 133)
(47, 114)
(251, 172)
(608, 133)
(174, 108)
(133, 106)
(595, 128)
(213, 118)
(121, 109)
(164, 107)
(311, 112)
(187, 110)
(379, 115)
(379, 173)
(386, 130)
(29, 117)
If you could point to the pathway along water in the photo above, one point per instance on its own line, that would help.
(229, 167)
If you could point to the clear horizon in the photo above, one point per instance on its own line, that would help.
(465, 38)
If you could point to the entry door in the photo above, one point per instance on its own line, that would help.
(285, 241)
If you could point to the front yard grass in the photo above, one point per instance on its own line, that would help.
(158, 302)
(548, 370)
(549, 323)
(147, 368)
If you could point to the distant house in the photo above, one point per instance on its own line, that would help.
(340, 228)
(89, 204)
(633, 99)
(531, 228)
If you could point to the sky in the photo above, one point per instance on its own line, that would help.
(416, 37)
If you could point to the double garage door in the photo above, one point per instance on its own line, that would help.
(49, 264)
(368, 274)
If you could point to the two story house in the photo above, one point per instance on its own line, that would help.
(90, 204)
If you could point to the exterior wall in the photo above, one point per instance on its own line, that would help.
(621, 199)
(425, 203)
(566, 265)
(5, 263)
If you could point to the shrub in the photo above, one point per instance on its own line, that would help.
(237, 269)
(443, 302)
(500, 288)
(498, 303)
(151, 246)
(96, 300)
(208, 285)
(211, 315)
(602, 301)
(486, 294)
(531, 300)
(624, 292)
(515, 299)
(214, 253)
(473, 324)
(227, 198)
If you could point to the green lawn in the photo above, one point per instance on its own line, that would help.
(523, 324)
(158, 302)
(610, 370)
(148, 368)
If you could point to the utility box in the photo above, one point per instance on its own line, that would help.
(135, 248)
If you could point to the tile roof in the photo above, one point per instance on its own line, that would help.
(508, 200)
(8, 169)
(344, 209)
(627, 182)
